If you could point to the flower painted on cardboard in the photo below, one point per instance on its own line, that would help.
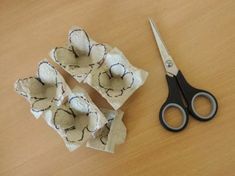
(42, 91)
(82, 55)
(115, 80)
(76, 120)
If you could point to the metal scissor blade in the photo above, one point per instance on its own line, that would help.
(166, 58)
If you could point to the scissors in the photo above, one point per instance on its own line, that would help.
(181, 94)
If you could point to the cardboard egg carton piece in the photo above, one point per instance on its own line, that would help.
(116, 79)
(77, 120)
(112, 134)
(81, 56)
(105, 69)
(46, 89)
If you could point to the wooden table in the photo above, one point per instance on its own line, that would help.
(200, 36)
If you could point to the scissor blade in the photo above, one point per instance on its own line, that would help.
(166, 58)
(162, 48)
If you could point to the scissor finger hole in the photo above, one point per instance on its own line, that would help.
(204, 105)
(174, 116)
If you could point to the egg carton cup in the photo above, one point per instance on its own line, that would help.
(116, 80)
(82, 55)
(46, 89)
(76, 121)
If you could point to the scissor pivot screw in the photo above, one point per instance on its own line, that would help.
(169, 63)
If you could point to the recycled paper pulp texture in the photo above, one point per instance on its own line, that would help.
(105, 69)
(44, 90)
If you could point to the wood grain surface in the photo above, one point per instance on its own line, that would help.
(201, 38)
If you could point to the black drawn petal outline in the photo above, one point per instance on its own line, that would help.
(101, 60)
(88, 40)
(130, 83)
(69, 111)
(99, 79)
(38, 72)
(59, 62)
(38, 100)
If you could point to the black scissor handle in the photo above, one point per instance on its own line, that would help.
(190, 94)
(174, 100)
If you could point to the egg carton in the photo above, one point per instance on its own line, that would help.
(104, 68)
